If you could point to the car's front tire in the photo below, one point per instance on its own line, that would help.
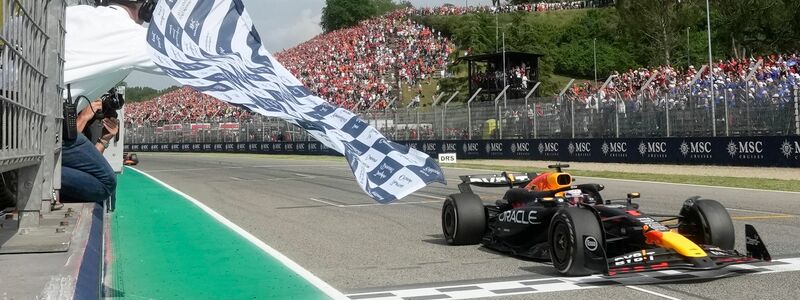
(571, 230)
(707, 222)
(463, 219)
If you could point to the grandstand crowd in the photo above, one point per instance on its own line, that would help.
(359, 67)
(451, 10)
(773, 79)
(355, 68)
(182, 105)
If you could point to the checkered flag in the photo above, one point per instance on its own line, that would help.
(213, 46)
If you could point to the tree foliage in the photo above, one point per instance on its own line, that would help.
(138, 94)
(633, 34)
(338, 14)
(657, 25)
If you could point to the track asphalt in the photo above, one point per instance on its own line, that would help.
(311, 211)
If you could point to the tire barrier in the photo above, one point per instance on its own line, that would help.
(778, 151)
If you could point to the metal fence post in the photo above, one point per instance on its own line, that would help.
(433, 108)
(572, 116)
(444, 112)
(797, 109)
(666, 110)
(527, 120)
(416, 112)
(725, 98)
(499, 123)
(469, 112)
(616, 114)
(560, 100)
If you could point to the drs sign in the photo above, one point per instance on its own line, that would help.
(447, 158)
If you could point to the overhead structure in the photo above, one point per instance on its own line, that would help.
(485, 71)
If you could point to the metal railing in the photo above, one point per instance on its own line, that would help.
(674, 114)
(31, 77)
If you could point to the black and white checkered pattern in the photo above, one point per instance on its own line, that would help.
(213, 46)
(487, 289)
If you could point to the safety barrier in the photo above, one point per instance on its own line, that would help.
(780, 151)
(31, 77)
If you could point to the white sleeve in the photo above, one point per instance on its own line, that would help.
(134, 49)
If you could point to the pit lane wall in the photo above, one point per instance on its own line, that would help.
(779, 151)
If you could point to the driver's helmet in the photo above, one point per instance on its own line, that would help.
(573, 197)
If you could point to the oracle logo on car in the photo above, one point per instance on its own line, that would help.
(518, 216)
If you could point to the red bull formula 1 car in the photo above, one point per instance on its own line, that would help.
(130, 159)
(547, 217)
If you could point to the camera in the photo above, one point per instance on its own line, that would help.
(113, 100)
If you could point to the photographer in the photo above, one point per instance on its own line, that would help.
(103, 45)
(86, 176)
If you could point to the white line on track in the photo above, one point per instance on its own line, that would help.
(656, 182)
(369, 204)
(472, 290)
(651, 292)
(229, 167)
(286, 261)
(759, 211)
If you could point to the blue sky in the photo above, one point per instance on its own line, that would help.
(282, 24)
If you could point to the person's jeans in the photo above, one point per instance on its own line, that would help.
(86, 176)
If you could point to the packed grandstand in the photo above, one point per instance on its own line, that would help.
(364, 67)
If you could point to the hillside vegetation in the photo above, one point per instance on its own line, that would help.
(636, 33)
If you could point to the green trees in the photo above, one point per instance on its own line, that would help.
(138, 94)
(635, 33)
(657, 25)
(339, 14)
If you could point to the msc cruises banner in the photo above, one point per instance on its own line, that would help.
(778, 151)
(213, 46)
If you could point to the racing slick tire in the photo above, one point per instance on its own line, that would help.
(566, 235)
(463, 219)
(707, 222)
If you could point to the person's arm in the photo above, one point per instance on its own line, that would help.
(110, 129)
(87, 114)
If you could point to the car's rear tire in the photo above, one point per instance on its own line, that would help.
(463, 219)
(707, 222)
(569, 229)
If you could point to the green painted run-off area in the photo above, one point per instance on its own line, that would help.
(165, 247)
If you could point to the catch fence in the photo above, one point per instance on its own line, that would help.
(735, 113)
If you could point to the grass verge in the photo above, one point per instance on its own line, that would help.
(737, 182)
(752, 183)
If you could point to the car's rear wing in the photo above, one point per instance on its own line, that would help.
(496, 180)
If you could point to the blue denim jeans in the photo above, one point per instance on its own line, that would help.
(86, 176)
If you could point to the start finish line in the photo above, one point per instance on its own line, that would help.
(777, 151)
